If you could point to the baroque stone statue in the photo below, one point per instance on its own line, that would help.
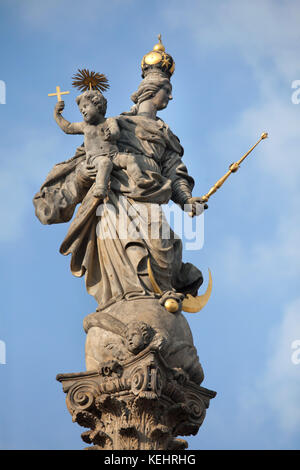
(142, 387)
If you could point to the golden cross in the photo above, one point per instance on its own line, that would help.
(58, 93)
(159, 38)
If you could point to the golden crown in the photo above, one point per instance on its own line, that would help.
(158, 61)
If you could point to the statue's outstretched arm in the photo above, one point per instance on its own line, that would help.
(66, 126)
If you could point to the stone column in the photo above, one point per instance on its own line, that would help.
(139, 403)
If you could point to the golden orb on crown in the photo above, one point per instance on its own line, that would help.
(158, 60)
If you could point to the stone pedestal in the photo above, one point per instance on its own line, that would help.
(140, 403)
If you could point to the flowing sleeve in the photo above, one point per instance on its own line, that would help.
(61, 192)
(174, 169)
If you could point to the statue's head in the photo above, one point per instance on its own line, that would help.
(92, 105)
(156, 88)
(138, 335)
(157, 69)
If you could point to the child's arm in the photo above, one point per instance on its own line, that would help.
(112, 131)
(66, 126)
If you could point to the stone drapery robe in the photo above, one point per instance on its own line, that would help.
(115, 266)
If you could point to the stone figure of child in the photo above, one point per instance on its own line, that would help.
(100, 139)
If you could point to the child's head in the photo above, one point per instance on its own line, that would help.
(138, 336)
(92, 104)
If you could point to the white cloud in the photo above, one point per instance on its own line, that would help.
(276, 392)
(273, 253)
(282, 379)
(68, 14)
(258, 30)
(265, 35)
(265, 263)
(279, 155)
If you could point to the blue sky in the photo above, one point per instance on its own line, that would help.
(235, 65)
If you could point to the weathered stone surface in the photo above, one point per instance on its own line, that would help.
(108, 332)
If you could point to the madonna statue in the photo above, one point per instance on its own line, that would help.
(138, 279)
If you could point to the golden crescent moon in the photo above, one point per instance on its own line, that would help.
(190, 304)
(194, 304)
(155, 286)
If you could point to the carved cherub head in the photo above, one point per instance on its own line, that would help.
(92, 105)
(138, 335)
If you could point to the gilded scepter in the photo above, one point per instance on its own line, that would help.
(232, 169)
